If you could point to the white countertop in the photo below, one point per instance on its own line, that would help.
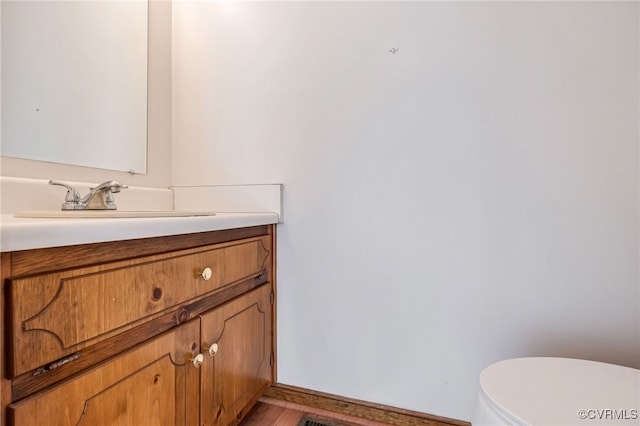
(26, 233)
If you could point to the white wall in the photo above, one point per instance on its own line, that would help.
(469, 198)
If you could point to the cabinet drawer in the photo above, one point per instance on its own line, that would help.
(57, 314)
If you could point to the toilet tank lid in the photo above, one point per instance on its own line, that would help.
(562, 391)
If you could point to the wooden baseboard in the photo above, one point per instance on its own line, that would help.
(356, 408)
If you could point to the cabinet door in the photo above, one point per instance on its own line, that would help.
(238, 370)
(154, 383)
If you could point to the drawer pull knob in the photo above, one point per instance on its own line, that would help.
(198, 360)
(213, 349)
(207, 273)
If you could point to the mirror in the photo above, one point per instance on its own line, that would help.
(74, 82)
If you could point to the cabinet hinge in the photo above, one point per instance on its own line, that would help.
(271, 360)
(271, 298)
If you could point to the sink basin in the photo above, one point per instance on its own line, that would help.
(103, 214)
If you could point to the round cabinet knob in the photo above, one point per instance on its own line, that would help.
(197, 360)
(213, 349)
(207, 273)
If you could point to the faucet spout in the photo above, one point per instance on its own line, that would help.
(101, 197)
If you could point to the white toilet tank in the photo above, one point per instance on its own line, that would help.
(558, 392)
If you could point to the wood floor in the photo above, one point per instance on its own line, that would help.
(286, 405)
(275, 412)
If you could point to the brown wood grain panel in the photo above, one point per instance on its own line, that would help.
(274, 289)
(153, 384)
(5, 384)
(360, 409)
(27, 384)
(289, 414)
(65, 311)
(27, 262)
(30, 392)
(240, 370)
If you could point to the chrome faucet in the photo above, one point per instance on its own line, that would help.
(99, 198)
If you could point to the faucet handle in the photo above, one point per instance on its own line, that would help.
(71, 199)
(110, 186)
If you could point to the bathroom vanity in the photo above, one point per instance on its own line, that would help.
(140, 329)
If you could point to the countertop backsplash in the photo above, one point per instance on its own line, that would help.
(20, 194)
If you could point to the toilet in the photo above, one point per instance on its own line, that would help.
(558, 392)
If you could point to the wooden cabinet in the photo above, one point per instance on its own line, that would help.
(240, 361)
(162, 331)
